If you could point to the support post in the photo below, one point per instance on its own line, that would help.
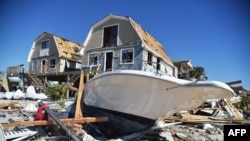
(78, 111)
(68, 78)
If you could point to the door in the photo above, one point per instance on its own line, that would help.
(43, 66)
(108, 61)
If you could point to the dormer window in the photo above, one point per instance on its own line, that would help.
(110, 36)
(45, 44)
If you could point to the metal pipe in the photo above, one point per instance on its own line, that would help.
(75, 138)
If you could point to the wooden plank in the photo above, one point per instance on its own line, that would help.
(52, 122)
(238, 88)
(204, 119)
(193, 117)
(7, 104)
(233, 82)
(237, 114)
(78, 111)
(173, 134)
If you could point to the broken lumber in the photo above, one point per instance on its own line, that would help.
(7, 104)
(234, 82)
(202, 119)
(52, 122)
(59, 123)
(237, 115)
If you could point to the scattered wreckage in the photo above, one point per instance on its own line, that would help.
(31, 119)
(19, 121)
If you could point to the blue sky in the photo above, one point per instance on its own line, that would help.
(214, 34)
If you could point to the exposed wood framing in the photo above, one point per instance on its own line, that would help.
(52, 122)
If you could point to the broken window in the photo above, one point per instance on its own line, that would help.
(110, 36)
(93, 59)
(45, 44)
(150, 58)
(127, 55)
(52, 63)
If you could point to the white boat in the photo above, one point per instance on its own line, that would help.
(148, 95)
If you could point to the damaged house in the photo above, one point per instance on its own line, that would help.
(53, 58)
(119, 43)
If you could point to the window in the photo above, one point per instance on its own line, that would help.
(158, 63)
(52, 63)
(110, 36)
(45, 44)
(93, 59)
(34, 65)
(150, 58)
(127, 55)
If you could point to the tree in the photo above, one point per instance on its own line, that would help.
(58, 92)
(198, 73)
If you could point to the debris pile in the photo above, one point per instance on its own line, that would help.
(212, 111)
(18, 121)
(19, 94)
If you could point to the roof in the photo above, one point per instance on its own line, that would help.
(151, 42)
(178, 64)
(68, 49)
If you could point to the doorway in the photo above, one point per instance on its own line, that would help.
(109, 61)
(43, 66)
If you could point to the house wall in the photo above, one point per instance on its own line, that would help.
(126, 34)
(117, 64)
(139, 61)
(127, 38)
(45, 55)
(38, 45)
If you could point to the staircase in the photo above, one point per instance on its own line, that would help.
(74, 77)
(38, 82)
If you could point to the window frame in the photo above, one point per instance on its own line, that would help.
(34, 68)
(150, 58)
(50, 63)
(97, 59)
(104, 34)
(133, 54)
(46, 45)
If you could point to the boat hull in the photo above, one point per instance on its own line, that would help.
(118, 124)
(148, 95)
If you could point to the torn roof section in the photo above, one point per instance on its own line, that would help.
(150, 41)
(68, 49)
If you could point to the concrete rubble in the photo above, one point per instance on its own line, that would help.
(199, 124)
